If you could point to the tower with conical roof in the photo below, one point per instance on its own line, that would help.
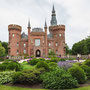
(53, 18)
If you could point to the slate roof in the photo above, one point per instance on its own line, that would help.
(37, 30)
(24, 36)
(50, 35)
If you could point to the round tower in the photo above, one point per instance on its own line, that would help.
(58, 33)
(14, 39)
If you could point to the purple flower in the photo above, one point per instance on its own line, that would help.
(66, 64)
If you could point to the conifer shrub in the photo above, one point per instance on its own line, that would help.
(78, 73)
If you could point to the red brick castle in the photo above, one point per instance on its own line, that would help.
(37, 42)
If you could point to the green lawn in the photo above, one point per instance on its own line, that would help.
(3, 87)
(26, 66)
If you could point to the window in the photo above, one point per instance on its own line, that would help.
(49, 44)
(24, 51)
(17, 51)
(17, 44)
(49, 50)
(60, 35)
(56, 51)
(37, 42)
(13, 35)
(24, 44)
(56, 35)
(56, 44)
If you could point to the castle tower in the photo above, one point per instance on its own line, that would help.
(53, 18)
(14, 39)
(29, 43)
(58, 32)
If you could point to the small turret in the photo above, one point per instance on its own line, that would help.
(29, 24)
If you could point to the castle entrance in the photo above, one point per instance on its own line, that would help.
(38, 53)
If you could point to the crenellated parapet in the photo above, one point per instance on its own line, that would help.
(14, 27)
(57, 27)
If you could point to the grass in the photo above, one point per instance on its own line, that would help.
(26, 66)
(3, 87)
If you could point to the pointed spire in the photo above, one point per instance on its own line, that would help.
(29, 23)
(53, 10)
(53, 18)
(45, 23)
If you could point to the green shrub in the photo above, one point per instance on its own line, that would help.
(28, 76)
(10, 66)
(58, 79)
(86, 70)
(6, 77)
(42, 64)
(52, 64)
(55, 59)
(87, 62)
(34, 61)
(78, 73)
(63, 59)
(14, 66)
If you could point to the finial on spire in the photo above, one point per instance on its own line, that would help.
(29, 23)
(53, 10)
(45, 23)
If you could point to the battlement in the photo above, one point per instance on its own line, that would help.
(57, 27)
(14, 26)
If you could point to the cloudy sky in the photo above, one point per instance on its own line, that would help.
(75, 14)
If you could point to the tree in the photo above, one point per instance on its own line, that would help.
(2, 51)
(5, 45)
(82, 47)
